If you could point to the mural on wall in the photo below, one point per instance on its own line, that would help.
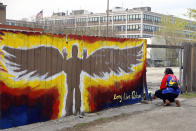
(46, 76)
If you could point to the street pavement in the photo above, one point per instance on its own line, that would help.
(149, 117)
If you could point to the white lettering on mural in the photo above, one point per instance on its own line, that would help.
(126, 96)
(118, 97)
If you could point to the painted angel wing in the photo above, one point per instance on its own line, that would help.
(39, 61)
(106, 60)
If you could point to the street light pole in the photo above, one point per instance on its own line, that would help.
(107, 12)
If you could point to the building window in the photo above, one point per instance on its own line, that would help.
(130, 17)
(101, 19)
(150, 28)
(71, 21)
(133, 27)
(93, 19)
(133, 36)
(146, 36)
(134, 17)
(105, 18)
(120, 28)
(150, 18)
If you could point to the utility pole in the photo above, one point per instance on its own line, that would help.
(107, 12)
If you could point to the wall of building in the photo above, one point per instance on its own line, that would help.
(20, 28)
(47, 76)
(2, 13)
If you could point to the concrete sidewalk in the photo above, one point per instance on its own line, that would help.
(169, 118)
(70, 121)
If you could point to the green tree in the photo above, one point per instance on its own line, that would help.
(191, 13)
(175, 31)
(169, 30)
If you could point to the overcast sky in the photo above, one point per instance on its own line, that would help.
(18, 9)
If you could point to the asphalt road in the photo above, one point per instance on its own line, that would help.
(149, 117)
(170, 118)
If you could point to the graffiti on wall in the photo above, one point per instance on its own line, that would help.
(46, 76)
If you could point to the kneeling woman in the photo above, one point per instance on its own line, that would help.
(169, 89)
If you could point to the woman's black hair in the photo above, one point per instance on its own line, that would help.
(168, 71)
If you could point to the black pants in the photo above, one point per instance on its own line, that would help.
(169, 96)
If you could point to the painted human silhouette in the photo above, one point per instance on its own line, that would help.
(73, 70)
(45, 62)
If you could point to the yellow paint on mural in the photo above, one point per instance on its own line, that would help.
(20, 40)
(88, 81)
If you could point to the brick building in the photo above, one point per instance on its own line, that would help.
(2, 13)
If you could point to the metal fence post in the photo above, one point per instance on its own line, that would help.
(180, 67)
